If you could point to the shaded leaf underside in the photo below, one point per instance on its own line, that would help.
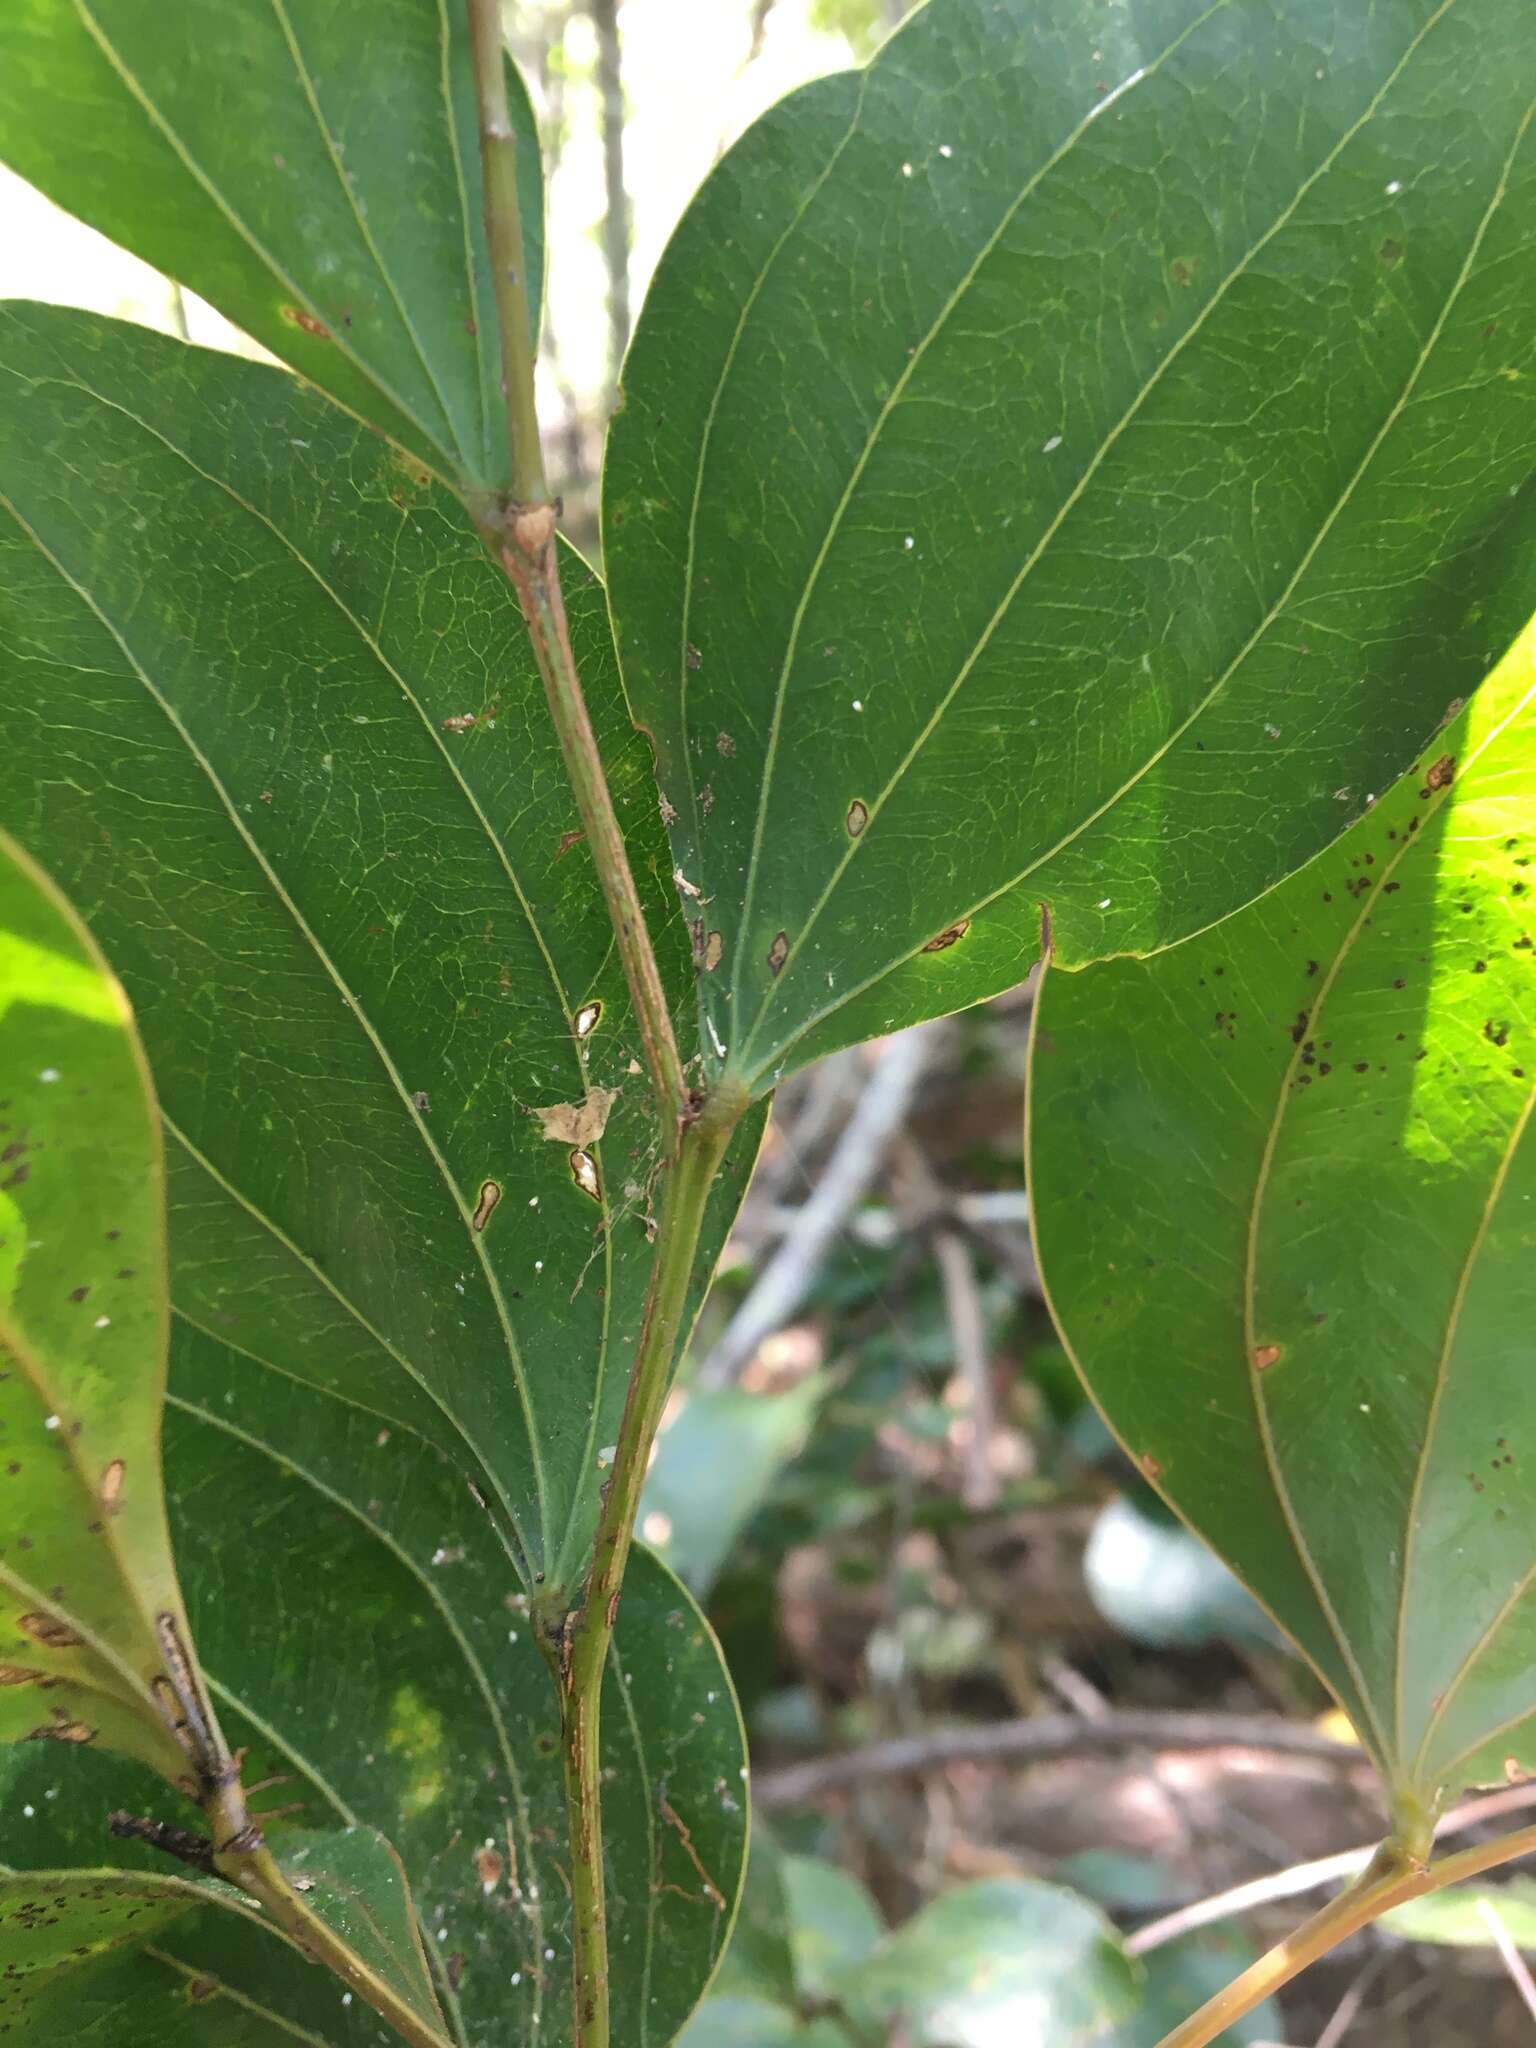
(336, 862)
(1068, 462)
(1285, 1195)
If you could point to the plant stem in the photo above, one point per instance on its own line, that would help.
(581, 1643)
(1389, 1880)
(256, 1872)
(522, 533)
(504, 239)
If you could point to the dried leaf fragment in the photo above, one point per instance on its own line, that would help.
(578, 1123)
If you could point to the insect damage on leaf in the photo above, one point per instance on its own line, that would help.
(578, 1123)
(485, 1208)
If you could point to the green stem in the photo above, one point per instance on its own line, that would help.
(257, 1873)
(582, 1638)
(1390, 1879)
(504, 238)
(521, 532)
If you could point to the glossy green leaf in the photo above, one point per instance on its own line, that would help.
(336, 861)
(139, 1957)
(312, 170)
(86, 1575)
(1074, 461)
(1285, 1200)
(1006, 1959)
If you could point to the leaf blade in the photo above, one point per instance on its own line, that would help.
(322, 191)
(1348, 1145)
(832, 644)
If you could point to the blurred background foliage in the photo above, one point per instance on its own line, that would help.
(1011, 1723)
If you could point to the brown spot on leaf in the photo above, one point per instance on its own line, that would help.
(724, 744)
(1265, 1355)
(778, 952)
(1441, 773)
(20, 1674)
(63, 1728)
(587, 1018)
(112, 1482)
(1151, 1469)
(201, 1989)
(714, 952)
(578, 1123)
(488, 1868)
(297, 317)
(858, 817)
(951, 935)
(485, 1208)
(48, 1630)
(584, 1173)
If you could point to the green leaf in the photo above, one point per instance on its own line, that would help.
(1458, 1917)
(1003, 1959)
(834, 1925)
(311, 170)
(1284, 1191)
(337, 864)
(335, 858)
(714, 1465)
(1179, 1978)
(136, 1958)
(1074, 461)
(86, 1575)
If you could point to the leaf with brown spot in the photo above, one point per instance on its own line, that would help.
(578, 1123)
(1325, 1295)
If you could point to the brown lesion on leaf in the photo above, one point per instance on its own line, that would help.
(488, 1868)
(668, 810)
(714, 952)
(857, 818)
(725, 746)
(201, 1989)
(23, 1674)
(584, 1173)
(1266, 1355)
(485, 1208)
(1150, 1468)
(587, 1018)
(778, 952)
(1441, 774)
(567, 841)
(578, 1123)
(48, 1630)
(950, 936)
(111, 1484)
(63, 1727)
(297, 316)
(696, 939)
